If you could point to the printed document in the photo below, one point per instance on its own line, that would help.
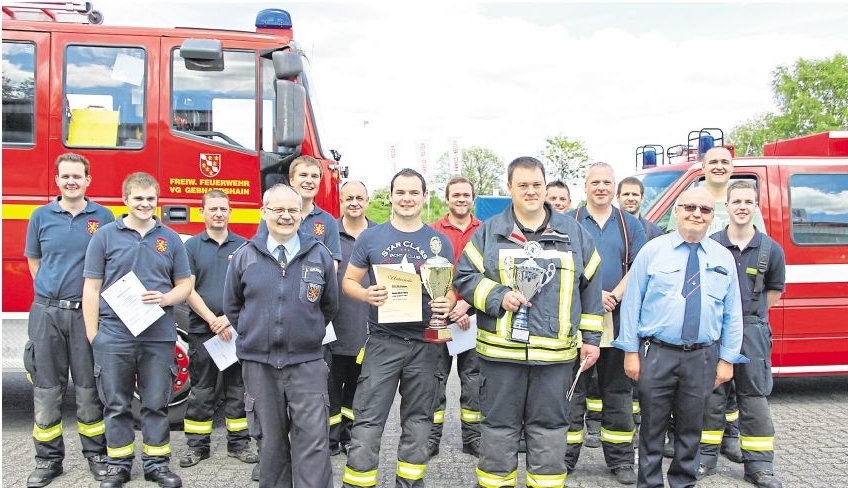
(124, 296)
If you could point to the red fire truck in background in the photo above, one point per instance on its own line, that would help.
(803, 186)
(196, 108)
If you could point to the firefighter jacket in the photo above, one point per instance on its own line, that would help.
(570, 301)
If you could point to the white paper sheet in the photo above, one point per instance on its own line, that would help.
(124, 296)
(329, 334)
(463, 340)
(221, 351)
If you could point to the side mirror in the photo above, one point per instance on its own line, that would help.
(287, 64)
(202, 54)
(291, 113)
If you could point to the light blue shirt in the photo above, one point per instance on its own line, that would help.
(654, 306)
(292, 246)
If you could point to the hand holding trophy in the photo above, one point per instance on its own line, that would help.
(437, 277)
(527, 278)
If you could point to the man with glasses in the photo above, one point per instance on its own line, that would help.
(279, 294)
(209, 254)
(681, 331)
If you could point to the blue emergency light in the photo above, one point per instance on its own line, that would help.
(649, 158)
(705, 143)
(273, 18)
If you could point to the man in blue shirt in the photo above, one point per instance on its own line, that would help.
(57, 237)
(305, 175)
(136, 242)
(630, 194)
(681, 331)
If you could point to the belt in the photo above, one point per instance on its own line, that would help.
(679, 347)
(66, 304)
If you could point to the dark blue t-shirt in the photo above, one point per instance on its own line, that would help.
(59, 240)
(209, 262)
(158, 259)
(384, 244)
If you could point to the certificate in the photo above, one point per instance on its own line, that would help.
(403, 303)
(221, 351)
(124, 296)
(463, 340)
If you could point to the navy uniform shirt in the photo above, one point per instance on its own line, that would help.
(158, 259)
(746, 267)
(59, 240)
(610, 245)
(323, 226)
(351, 321)
(208, 261)
(651, 229)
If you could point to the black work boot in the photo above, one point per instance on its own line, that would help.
(731, 450)
(164, 477)
(115, 477)
(44, 473)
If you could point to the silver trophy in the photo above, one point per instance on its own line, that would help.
(437, 277)
(527, 278)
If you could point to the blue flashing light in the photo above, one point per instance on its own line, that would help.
(705, 143)
(273, 18)
(649, 158)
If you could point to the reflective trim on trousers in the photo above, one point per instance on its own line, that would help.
(756, 443)
(471, 416)
(236, 425)
(91, 430)
(336, 419)
(355, 478)
(438, 416)
(575, 437)
(488, 480)
(157, 450)
(48, 434)
(348, 413)
(594, 404)
(731, 416)
(197, 426)
(411, 471)
(121, 452)
(546, 480)
(712, 437)
(617, 437)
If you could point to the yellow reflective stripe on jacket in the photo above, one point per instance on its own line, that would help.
(591, 322)
(48, 434)
(566, 286)
(592, 265)
(470, 416)
(360, 356)
(336, 419)
(500, 352)
(489, 480)
(574, 437)
(197, 427)
(121, 452)
(411, 471)
(356, 478)
(546, 480)
(756, 443)
(347, 413)
(731, 416)
(438, 416)
(91, 430)
(236, 425)
(538, 354)
(594, 404)
(617, 436)
(636, 407)
(157, 450)
(481, 292)
(711, 437)
(474, 256)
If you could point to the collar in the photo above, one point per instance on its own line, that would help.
(206, 237)
(506, 226)
(342, 229)
(55, 207)
(121, 225)
(316, 210)
(475, 222)
(677, 240)
(292, 246)
(724, 239)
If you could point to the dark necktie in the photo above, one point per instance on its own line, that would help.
(281, 258)
(692, 294)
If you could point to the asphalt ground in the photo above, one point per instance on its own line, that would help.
(810, 416)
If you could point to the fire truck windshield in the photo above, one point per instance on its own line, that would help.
(656, 184)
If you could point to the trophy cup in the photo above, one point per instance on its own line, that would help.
(527, 278)
(437, 277)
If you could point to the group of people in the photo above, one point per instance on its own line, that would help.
(661, 322)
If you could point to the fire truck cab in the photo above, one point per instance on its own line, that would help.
(196, 108)
(803, 191)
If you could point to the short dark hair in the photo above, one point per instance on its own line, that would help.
(743, 185)
(213, 193)
(458, 179)
(408, 172)
(631, 180)
(72, 158)
(526, 162)
(559, 184)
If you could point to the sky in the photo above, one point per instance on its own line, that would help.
(506, 76)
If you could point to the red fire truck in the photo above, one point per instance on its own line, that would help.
(803, 186)
(196, 108)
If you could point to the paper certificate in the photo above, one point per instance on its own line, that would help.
(403, 303)
(221, 351)
(608, 335)
(329, 334)
(463, 340)
(124, 296)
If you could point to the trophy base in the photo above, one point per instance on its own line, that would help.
(437, 334)
(520, 335)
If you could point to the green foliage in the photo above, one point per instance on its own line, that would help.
(811, 96)
(564, 159)
(480, 165)
(380, 207)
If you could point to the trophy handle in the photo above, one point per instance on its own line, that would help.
(549, 274)
(509, 268)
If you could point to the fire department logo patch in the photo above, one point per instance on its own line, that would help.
(210, 164)
(313, 291)
(318, 229)
(162, 245)
(92, 226)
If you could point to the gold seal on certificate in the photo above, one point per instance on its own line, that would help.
(437, 277)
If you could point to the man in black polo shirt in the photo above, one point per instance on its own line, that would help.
(209, 254)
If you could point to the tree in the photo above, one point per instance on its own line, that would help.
(811, 96)
(564, 158)
(480, 165)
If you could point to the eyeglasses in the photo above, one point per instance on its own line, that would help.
(281, 210)
(691, 207)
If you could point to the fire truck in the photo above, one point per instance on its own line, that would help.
(197, 108)
(803, 190)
